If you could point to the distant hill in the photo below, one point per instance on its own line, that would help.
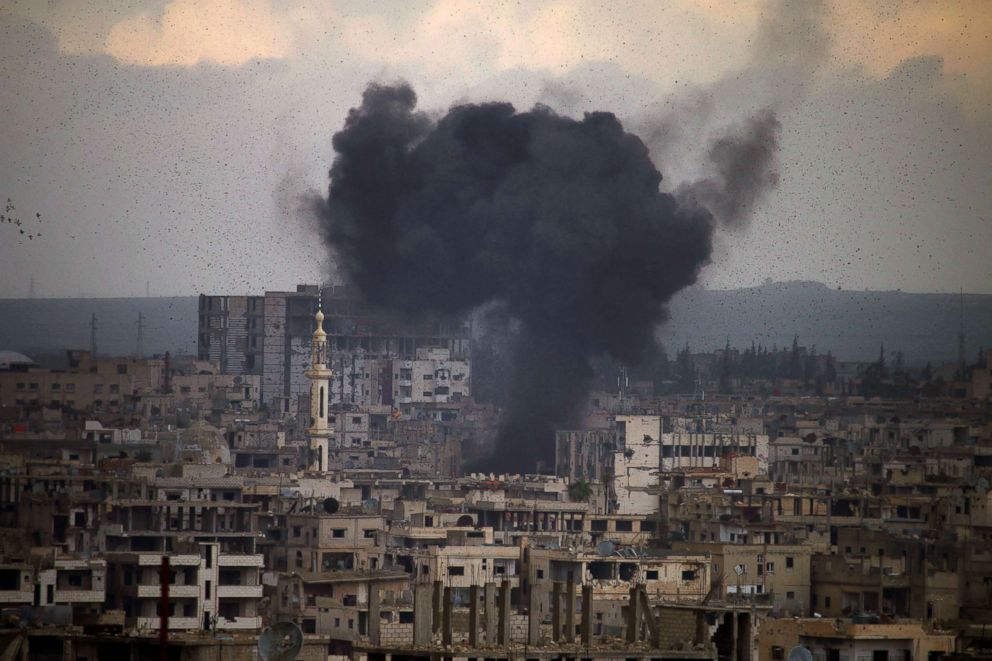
(43, 328)
(851, 324)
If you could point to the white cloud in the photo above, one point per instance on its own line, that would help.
(225, 32)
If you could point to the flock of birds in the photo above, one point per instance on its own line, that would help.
(25, 229)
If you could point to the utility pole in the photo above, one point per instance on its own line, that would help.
(139, 348)
(961, 361)
(93, 335)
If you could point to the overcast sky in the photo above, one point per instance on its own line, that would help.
(168, 142)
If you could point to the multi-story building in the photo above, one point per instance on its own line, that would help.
(208, 589)
(269, 336)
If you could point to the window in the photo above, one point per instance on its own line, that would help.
(455, 570)
(789, 562)
(97, 388)
(826, 602)
(652, 574)
(70, 387)
(790, 595)
(688, 574)
(778, 653)
(122, 369)
(369, 533)
(114, 388)
(770, 566)
(540, 573)
(33, 386)
(56, 386)
(338, 533)
(428, 377)
(795, 450)
(625, 526)
(296, 531)
(356, 420)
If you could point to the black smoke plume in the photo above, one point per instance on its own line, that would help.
(560, 221)
(741, 171)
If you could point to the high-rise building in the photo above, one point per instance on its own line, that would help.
(270, 336)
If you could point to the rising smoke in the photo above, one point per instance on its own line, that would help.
(560, 221)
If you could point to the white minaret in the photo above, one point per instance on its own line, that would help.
(320, 379)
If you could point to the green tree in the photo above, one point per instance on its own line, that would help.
(580, 491)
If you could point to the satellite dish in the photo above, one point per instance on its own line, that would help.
(280, 642)
(800, 653)
(331, 505)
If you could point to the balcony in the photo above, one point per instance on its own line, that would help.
(80, 596)
(175, 591)
(239, 591)
(241, 623)
(175, 623)
(176, 560)
(240, 560)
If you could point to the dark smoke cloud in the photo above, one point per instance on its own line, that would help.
(559, 220)
(742, 171)
(683, 131)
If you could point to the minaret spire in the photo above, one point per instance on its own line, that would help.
(320, 376)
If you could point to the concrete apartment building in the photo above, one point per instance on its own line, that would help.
(146, 387)
(207, 589)
(835, 640)
(773, 574)
(269, 336)
(640, 452)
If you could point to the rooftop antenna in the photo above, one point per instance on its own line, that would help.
(93, 335)
(961, 363)
(139, 349)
